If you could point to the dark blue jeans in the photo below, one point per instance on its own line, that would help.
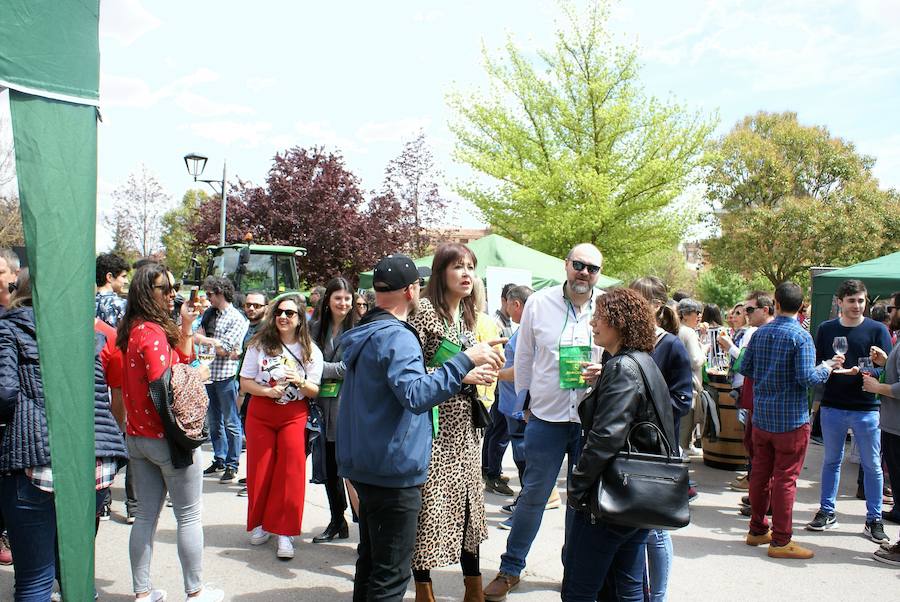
(595, 551)
(224, 422)
(31, 525)
(496, 439)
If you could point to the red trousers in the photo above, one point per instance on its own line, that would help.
(777, 461)
(276, 465)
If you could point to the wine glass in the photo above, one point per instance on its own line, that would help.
(866, 366)
(840, 345)
(206, 354)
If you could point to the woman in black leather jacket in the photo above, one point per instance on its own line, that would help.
(623, 324)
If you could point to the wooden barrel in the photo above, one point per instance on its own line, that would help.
(727, 450)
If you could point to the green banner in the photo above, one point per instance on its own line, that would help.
(51, 46)
(56, 164)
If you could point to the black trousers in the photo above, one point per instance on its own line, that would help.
(334, 485)
(496, 439)
(890, 454)
(388, 518)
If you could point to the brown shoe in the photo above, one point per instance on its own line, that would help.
(501, 585)
(791, 550)
(424, 593)
(759, 540)
(474, 593)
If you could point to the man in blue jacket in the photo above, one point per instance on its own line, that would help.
(384, 425)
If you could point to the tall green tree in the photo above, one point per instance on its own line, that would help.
(788, 196)
(568, 148)
(177, 239)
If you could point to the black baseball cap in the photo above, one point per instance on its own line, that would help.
(395, 272)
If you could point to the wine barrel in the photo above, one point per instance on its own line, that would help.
(726, 451)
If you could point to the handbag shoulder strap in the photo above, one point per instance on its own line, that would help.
(299, 362)
(658, 403)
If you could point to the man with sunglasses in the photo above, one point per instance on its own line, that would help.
(556, 361)
(224, 421)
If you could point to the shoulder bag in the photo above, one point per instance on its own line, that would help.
(181, 401)
(641, 489)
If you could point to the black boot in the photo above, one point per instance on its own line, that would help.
(334, 530)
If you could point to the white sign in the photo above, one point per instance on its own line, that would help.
(497, 277)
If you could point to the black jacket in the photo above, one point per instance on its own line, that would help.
(619, 401)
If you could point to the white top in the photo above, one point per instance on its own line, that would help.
(543, 329)
(735, 351)
(268, 370)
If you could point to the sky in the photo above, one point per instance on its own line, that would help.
(240, 81)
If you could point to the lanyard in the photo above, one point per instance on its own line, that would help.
(569, 306)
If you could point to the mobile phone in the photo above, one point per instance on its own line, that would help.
(195, 291)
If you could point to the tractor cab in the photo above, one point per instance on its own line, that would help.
(271, 269)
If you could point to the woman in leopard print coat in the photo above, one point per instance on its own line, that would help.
(452, 520)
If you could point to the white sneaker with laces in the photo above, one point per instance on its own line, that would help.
(285, 547)
(208, 594)
(258, 536)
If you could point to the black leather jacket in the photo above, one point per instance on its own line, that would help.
(618, 402)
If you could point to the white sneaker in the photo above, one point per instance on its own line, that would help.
(208, 594)
(258, 537)
(156, 595)
(285, 547)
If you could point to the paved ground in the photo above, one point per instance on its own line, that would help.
(711, 560)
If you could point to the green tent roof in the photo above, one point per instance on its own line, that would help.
(880, 275)
(495, 250)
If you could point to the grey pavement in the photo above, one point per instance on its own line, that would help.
(711, 560)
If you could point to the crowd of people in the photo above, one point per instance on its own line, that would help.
(407, 398)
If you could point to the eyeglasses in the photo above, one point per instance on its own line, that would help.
(889, 308)
(580, 265)
(362, 305)
(253, 305)
(288, 313)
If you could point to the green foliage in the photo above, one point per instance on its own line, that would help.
(669, 266)
(788, 197)
(177, 238)
(722, 287)
(575, 152)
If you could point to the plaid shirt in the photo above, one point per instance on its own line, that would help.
(781, 360)
(231, 326)
(42, 476)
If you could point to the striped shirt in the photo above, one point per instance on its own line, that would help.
(781, 360)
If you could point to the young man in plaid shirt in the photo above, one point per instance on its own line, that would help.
(781, 360)
(224, 420)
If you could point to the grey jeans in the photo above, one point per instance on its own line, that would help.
(153, 475)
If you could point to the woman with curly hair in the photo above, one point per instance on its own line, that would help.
(452, 521)
(623, 324)
(281, 371)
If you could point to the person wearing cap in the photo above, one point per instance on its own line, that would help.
(385, 424)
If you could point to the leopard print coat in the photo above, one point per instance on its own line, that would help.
(454, 476)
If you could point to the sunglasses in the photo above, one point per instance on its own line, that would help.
(288, 313)
(580, 265)
(253, 305)
(421, 282)
(889, 308)
(362, 305)
(749, 309)
(165, 288)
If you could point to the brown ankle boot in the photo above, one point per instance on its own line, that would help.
(474, 593)
(424, 593)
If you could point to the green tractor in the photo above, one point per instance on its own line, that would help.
(271, 269)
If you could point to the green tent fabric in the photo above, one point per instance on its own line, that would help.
(49, 59)
(495, 250)
(881, 276)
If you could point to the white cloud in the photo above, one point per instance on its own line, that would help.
(201, 105)
(887, 154)
(258, 84)
(318, 133)
(126, 20)
(249, 134)
(391, 131)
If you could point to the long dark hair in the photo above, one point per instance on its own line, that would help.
(142, 305)
(654, 290)
(22, 295)
(446, 255)
(711, 314)
(267, 337)
(334, 285)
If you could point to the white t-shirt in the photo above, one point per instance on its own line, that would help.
(268, 370)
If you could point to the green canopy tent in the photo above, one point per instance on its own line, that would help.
(495, 250)
(50, 63)
(881, 276)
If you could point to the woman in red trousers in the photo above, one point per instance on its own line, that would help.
(281, 371)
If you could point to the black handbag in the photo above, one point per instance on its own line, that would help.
(481, 419)
(644, 490)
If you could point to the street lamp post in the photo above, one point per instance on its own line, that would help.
(195, 164)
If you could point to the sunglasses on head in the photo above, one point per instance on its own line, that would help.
(288, 313)
(580, 265)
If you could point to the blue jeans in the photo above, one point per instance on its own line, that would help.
(496, 439)
(546, 444)
(865, 427)
(31, 524)
(516, 430)
(659, 562)
(224, 422)
(597, 550)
